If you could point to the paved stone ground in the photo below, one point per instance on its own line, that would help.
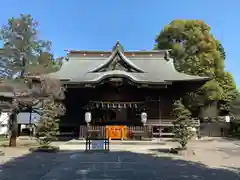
(150, 163)
(112, 165)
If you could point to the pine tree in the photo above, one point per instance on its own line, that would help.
(182, 124)
(48, 127)
(21, 45)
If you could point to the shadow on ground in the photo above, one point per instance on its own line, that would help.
(73, 165)
(161, 150)
(119, 142)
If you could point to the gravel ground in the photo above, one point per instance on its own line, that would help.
(217, 159)
(218, 153)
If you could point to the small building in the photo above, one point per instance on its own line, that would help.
(27, 122)
(5, 98)
(116, 86)
(4, 119)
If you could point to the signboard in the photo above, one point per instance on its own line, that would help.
(97, 144)
(115, 132)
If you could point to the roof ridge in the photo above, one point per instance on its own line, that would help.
(125, 51)
(117, 50)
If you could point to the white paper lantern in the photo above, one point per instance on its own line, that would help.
(143, 117)
(227, 119)
(88, 117)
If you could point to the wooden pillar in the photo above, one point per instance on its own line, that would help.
(159, 108)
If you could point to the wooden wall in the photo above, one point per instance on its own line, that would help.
(158, 101)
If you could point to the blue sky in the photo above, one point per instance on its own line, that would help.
(98, 24)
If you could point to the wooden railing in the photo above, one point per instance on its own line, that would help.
(83, 129)
(148, 129)
(168, 122)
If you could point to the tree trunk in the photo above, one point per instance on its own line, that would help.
(14, 130)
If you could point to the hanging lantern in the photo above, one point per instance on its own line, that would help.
(97, 105)
(113, 105)
(135, 105)
(227, 119)
(102, 105)
(108, 106)
(119, 106)
(88, 117)
(130, 105)
(124, 105)
(143, 118)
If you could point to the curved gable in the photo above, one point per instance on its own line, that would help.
(117, 61)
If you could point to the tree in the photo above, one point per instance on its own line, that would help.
(235, 112)
(182, 124)
(48, 127)
(29, 93)
(229, 91)
(23, 54)
(221, 50)
(235, 108)
(21, 45)
(196, 52)
(193, 48)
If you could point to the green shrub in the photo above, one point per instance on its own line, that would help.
(182, 124)
(48, 126)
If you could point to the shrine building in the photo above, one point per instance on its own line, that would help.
(115, 88)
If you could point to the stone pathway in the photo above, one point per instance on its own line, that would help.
(122, 165)
(213, 160)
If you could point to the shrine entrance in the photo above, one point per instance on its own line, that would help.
(116, 117)
(116, 113)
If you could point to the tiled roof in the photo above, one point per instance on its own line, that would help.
(151, 68)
